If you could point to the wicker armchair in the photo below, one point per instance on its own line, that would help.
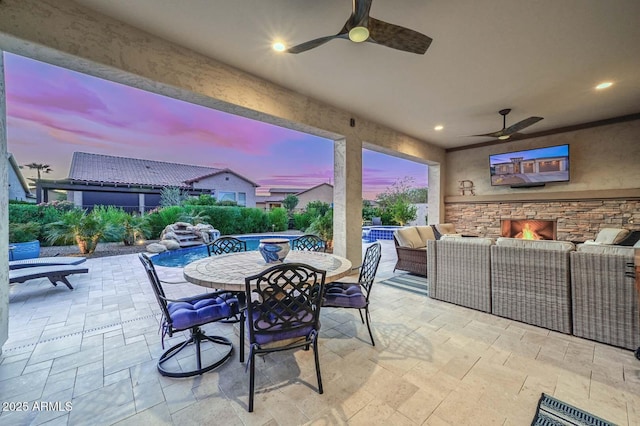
(530, 282)
(460, 271)
(605, 304)
(413, 260)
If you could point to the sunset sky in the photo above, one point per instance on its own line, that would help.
(53, 112)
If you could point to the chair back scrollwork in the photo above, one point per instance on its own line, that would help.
(224, 245)
(309, 242)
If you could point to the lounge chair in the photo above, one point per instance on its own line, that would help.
(46, 261)
(55, 274)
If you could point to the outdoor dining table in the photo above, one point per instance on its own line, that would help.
(228, 271)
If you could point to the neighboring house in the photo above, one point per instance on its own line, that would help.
(135, 184)
(322, 192)
(18, 188)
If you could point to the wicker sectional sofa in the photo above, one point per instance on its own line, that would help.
(460, 271)
(604, 299)
(586, 290)
(530, 282)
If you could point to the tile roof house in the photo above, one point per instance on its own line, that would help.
(135, 184)
(322, 192)
(18, 188)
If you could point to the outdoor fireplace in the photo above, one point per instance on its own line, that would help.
(528, 229)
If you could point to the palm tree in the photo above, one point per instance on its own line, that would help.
(40, 168)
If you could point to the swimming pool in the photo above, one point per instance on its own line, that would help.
(179, 258)
(375, 233)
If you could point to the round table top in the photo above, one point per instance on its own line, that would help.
(228, 271)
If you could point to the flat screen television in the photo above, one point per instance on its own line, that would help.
(532, 167)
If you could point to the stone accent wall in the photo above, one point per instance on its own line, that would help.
(576, 220)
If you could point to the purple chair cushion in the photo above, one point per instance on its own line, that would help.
(198, 310)
(344, 295)
(268, 329)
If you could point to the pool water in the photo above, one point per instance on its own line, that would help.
(375, 233)
(181, 257)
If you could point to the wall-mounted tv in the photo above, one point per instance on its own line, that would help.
(532, 167)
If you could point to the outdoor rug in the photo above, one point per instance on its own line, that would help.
(552, 412)
(413, 283)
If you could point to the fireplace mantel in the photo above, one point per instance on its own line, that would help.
(534, 194)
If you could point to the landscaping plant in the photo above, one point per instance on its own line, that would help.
(85, 229)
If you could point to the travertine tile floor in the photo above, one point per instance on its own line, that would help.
(96, 347)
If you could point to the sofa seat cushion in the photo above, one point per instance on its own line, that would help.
(536, 244)
(611, 235)
(409, 237)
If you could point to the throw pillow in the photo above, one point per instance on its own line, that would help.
(436, 233)
(611, 235)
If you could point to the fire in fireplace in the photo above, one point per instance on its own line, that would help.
(528, 229)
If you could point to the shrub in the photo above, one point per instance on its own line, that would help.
(253, 220)
(160, 218)
(323, 227)
(172, 196)
(23, 213)
(278, 220)
(23, 232)
(303, 220)
(202, 200)
(135, 228)
(85, 229)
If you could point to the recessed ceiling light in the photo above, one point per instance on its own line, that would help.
(604, 85)
(438, 127)
(278, 46)
(503, 137)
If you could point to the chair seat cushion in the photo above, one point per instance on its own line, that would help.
(296, 325)
(344, 295)
(198, 310)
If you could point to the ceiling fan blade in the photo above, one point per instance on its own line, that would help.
(493, 134)
(303, 47)
(397, 37)
(521, 125)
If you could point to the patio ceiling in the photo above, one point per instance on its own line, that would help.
(539, 58)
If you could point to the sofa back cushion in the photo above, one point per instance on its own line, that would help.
(536, 244)
(481, 241)
(409, 237)
(611, 235)
(605, 249)
(426, 233)
(446, 228)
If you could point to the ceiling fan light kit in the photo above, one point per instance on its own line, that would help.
(361, 27)
(358, 34)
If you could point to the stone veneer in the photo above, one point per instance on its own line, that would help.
(576, 220)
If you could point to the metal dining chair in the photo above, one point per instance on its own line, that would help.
(309, 242)
(356, 295)
(224, 245)
(190, 314)
(284, 313)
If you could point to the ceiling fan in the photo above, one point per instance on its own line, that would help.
(362, 27)
(507, 132)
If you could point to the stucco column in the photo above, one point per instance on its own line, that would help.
(347, 199)
(436, 202)
(4, 213)
(141, 203)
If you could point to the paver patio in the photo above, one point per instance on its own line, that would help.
(434, 363)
